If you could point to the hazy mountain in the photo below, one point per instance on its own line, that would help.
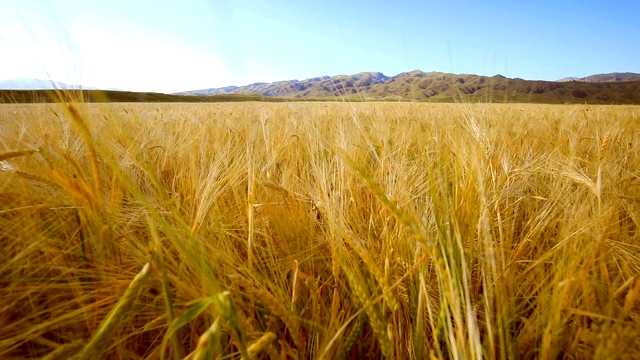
(570, 78)
(318, 86)
(438, 86)
(611, 77)
(36, 84)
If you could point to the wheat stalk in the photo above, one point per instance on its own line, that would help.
(260, 345)
(102, 336)
(208, 343)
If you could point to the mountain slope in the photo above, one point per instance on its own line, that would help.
(314, 87)
(610, 77)
(437, 86)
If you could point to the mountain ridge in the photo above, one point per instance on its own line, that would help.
(440, 86)
(38, 84)
(416, 85)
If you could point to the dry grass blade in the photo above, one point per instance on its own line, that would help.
(158, 260)
(30, 176)
(65, 351)
(81, 123)
(15, 153)
(101, 338)
(26, 208)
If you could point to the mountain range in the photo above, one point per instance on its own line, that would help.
(37, 84)
(623, 88)
(613, 88)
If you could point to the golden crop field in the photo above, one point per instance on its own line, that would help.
(319, 230)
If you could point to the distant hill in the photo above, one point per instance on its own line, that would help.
(36, 84)
(611, 77)
(314, 87)
(438, 86)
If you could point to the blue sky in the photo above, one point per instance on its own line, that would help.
(170, 46)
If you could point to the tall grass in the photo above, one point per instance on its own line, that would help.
(322, 230)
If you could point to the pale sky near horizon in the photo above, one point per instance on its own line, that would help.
(170, 46)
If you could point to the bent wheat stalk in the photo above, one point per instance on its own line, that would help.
(100, 339)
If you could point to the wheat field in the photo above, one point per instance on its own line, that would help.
(319, 231)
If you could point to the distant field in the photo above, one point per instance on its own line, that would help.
(319, 230)
(108, 96)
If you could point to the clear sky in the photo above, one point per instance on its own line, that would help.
(171, 46)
